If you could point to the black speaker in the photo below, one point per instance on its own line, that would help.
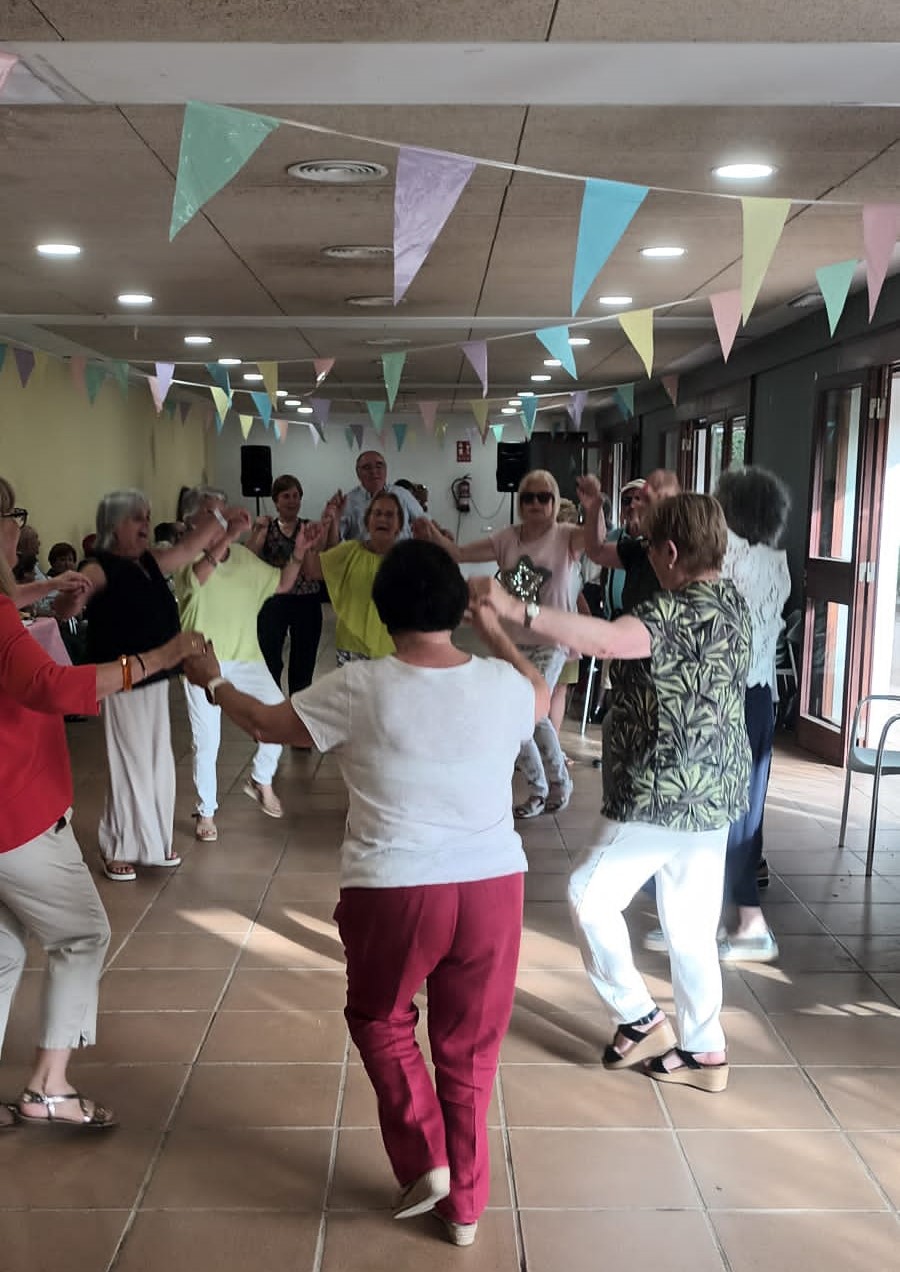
(513, 462)
(256, 470)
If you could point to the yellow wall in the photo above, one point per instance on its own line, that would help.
(62, 454)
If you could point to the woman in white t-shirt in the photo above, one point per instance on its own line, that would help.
(431, 865)
(537, 558)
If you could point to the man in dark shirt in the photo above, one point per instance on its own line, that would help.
(630, 552)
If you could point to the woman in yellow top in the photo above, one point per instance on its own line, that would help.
(349, 571)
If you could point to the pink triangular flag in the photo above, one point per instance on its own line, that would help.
(476, 352)
(881, 223)
(160, 383)
(670, 384)
(77, 364)
(322, 366)
(281, 427)
(726, 307)
(429, 412)
(7, 62)
(427, 186)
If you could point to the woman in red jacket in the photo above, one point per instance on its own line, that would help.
(45, 887)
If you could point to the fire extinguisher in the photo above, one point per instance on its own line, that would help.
(461, 491)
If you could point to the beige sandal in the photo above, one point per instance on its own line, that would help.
(205, 830)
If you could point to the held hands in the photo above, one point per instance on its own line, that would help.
(183, 646)
(70, 581)
(309, 537)
(486, 593)
(201, 667)
(238, 522)
(261, 525)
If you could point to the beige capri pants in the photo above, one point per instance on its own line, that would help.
(47, 890)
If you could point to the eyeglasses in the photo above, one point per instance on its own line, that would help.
(542, 497)
(19, 515)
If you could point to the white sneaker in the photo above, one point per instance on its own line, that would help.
(423, 1193)
(458, 1234)
(748, 949)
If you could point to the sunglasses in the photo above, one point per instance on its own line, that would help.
(626, 501)
(19, 515)
(542, 497)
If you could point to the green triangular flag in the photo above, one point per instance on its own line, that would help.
(529, 414)
(400, 432)
(219, 376)
(376, 414)
(3, 349)
(348, 436)
(392, 365)
(94, 376)
(119, 372)
(497, 430)
(834, 284)
(624, 394)
(216, 142)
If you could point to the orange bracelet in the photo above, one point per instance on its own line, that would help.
(126, 672)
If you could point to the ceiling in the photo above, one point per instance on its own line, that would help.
(91, 131)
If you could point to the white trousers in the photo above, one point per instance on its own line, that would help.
(139, 814)
(689, 868)
(206, 727)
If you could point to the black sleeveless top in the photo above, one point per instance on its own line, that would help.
(135, 612)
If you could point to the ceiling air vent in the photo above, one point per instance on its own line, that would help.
(338, 171)
(358, 253)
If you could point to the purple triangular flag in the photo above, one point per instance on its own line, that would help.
(476, 352)
(24, 364)
(322, 408)
(427, 186)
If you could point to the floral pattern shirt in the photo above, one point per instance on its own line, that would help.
(277, 550)
(679, 755)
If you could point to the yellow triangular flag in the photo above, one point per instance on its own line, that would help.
(638, 327)
(269, 373)
(246, 425)
(763, 222)
(221, 399)
(480, 408)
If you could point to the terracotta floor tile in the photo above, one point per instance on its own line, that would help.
(191, 1241)
(286, 989)
(187, 920)
(889, 982)
(372, 1243)
(249, 1095)
(609, 1168)
(778, 1170)
(142, 1095)
(178, 951)
(307, 946)
(230, 1167)
(74, 1170)
(861, 1099)
(534, 1037)
(827, 1242)
(583, 1241)
(303, 885)
(815, 993)
(814, 954)
(858, 918)
(150, 1036)
(843, 1039)
(144, 990)
(563, 1095)
(32, 1241)
(276, 1036)
(752, 1040)
(757, 1099)
(360, 1108)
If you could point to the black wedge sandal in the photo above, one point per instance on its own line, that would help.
(691, 1072)
(647, 1042)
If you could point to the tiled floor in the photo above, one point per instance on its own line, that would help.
(249, 1137)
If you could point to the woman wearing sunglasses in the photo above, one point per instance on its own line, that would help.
(536, 560)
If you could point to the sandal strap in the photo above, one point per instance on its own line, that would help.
(50, 1102)
(687, 1058)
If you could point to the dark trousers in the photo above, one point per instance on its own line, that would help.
(301, 616)
(745, 841)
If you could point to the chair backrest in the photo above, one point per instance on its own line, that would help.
(793, 625)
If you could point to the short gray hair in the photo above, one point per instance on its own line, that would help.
(197, 496)
(756, 504)
(115, 508)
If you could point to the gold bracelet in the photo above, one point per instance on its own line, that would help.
(126, 672)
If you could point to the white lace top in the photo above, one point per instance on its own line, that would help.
(761, 576)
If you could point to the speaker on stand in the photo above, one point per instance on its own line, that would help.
(256, 472)
(513, 462)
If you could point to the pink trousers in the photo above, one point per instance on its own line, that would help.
(462, 941)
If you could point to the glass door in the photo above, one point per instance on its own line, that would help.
(847, 480)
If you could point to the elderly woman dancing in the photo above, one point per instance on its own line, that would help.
(130, 606)
(431, 883)
(45, 887)
(679, 765)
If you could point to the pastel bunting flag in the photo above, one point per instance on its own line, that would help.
(834, 284)
(726, 308)
(24, 359)
(171, 408)
(763, 221)
(577, 402)
(219, 375)
(638, 327)
(392, 369)
(94, 378)
(7, 62)
(348, 436)
(399, 434)
(246, 425)
(670, 384)
(358, 430)
(314, 433)
(624, 395)
(607, 208)
(160, 383)
(216, 142)
(119, 372)
(77, 364)
(376, 409)
(4, 347)
(281, 429)
(476, 352)
(480, 410)
(556, 341)
(263, 404)
(881, 222)
(440, 432)
(428, 412)
(321, 408)
(41, 358)
(269, 373)
(319, 429)
(497, 430)
(184, 410)
(529, 414)
(220, 422)
(426, 189)
(322, 366)
(209, 414)
(221, 400)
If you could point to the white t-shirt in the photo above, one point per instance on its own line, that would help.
(427, 754)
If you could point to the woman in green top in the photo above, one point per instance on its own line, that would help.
(349, 571)
(679, 766)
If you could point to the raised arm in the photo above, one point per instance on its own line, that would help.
(595, 545)
(468, 553)
(257, 540)
(216, 549)
(306, 544)
(70, 583)
(486, 622)
(71, 599)
(207, 531)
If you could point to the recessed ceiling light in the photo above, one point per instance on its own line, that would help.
(198, 340)
(59, 249)
(552, 362)
(525, 393)
(508, 410)
(357, 252)
(229, 362)
(541, 379)
(371, 302)
(293, 402)
(577, 341)
(304, 410)
(281, 393)
(743, 171)
(515, 401)
(663, 252)
(338, 171)
(614, 300)
(253, 377)
(134, 298)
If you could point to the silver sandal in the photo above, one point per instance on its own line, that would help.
(532, 807)
(100, 1119)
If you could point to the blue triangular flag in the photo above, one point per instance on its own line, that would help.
(556, 341)
(529, 414)
(263, 404)
(625, 399)
(219, 376)
(376, 411)
(834, 284)
(3, 349)
(400, 434)
(606, 212)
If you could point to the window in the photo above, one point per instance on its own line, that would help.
(712, 446)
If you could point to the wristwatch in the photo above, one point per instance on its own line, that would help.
(532, 609)
(211, 688)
